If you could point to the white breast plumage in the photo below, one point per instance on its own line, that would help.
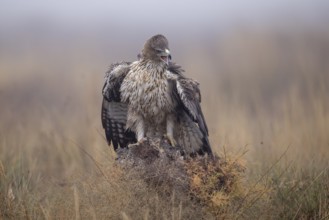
(146, 90)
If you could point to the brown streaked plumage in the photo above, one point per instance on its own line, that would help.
(152, 98)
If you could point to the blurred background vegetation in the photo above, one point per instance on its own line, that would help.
(264, 74)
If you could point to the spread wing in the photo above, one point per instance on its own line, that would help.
(114, 112)
(192, 131)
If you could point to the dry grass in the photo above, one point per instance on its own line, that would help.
(265, 96)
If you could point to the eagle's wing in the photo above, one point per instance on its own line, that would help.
(114, 112)
(192, 131)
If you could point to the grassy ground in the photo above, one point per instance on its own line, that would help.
(265, 97)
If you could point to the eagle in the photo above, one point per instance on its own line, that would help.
(151, 97)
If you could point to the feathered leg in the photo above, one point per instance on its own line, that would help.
(140, 129)
(170, 130)
(135, 122)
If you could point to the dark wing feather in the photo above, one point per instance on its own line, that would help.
(114, 112)
(190, 137)
(193, 128)
(189, 93)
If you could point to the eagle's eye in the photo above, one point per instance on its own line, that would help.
(158, 50)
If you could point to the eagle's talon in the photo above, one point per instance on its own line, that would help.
(141, 141)
(171, 140)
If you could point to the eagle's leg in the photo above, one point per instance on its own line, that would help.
(170, 130)
(140, 129)
(135, 122)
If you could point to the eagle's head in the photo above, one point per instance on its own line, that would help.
(157, 49)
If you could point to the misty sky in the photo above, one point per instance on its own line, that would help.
(170, 13)
(113, 25)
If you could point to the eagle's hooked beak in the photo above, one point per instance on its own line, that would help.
(165, 56)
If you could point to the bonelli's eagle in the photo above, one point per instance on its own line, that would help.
(152, 98)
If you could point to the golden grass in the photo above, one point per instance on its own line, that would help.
(265, 96)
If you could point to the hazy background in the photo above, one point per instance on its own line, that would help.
(263, 68)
